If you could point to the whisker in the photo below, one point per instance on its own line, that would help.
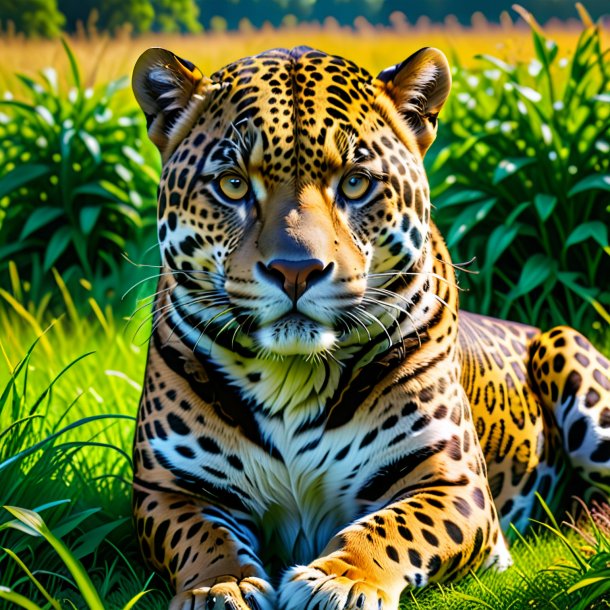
(400, 309)
(368, 314)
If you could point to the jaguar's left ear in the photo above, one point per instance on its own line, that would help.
(419, 87)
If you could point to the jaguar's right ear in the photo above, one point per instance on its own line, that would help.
(170, 90)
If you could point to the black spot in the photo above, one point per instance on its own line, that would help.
(415, 236)
(434, 565)
(479, 499)
(454, 532)
(405, 532)
(194, 529)
(462, 507)
(604, 418)
(577, 433)
(415, 558)
(506, 507)
(177, 424)
(430, 537)
(369, 438)
(390, 422)
(572, 385)
(423, 518)
(208, 444)
(159, 540)
(421, 423)
(392, 553)
(160, 431)
(558, 363)
(185, 451)
(235, 462)
(409, 408)
(601, 453)
(592, 398)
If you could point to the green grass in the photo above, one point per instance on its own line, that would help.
(66, 425)
(67, 406)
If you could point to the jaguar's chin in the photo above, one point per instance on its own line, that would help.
(295, 334)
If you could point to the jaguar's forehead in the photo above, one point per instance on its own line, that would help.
(304, 104)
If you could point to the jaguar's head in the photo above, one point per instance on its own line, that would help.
(292, 190)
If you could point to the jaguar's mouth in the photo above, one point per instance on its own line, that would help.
(295, 334)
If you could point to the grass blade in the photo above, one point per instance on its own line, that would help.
(32, 520)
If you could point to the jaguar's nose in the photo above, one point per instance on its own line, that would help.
(295, 277)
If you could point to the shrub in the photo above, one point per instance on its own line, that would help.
(522, 183)
(75, 193)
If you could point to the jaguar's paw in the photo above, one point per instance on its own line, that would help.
(332, 585)
(228, 593)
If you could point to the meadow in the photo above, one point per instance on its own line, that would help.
(520, 177)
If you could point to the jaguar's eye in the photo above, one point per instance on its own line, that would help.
(233, 186)
(355, 186)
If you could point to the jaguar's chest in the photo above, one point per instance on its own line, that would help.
(310, 489)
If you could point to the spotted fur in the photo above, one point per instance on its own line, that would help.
(319, 428)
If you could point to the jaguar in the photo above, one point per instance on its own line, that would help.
(320, 426)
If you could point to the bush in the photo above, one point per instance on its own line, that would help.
(75, 193)
(522, 183)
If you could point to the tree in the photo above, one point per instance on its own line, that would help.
(115, 14)
(176, 16)
(32, 17)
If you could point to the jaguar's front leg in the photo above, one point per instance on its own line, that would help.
(442, 528)
(207, 554)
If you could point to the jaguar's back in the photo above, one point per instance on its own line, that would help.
(309, 385)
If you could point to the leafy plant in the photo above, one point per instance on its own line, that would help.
(62, 458)
(75, 193)
(522, 183)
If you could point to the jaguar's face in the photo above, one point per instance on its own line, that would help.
(293, 188)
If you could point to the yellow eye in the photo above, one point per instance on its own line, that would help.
(233, 186)
(355, 186)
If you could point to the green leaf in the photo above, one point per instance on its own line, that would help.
(88, 217)
(73, 521)
(83, 582)
(457, 196)
(501, 237)
(134, 600)
(597, 181)
(39, 218)
(545, 204)
(595, 229)
(92, 145)
(586, 582)
(508, 167)
(535, 271)
(503, 66)
(103, 188)
(21, 175)
(53, 602)
(510, 219)
(9, 250)
(91, 539)
(57, 246)
(467, 219)
(73, 64)
(17, 599)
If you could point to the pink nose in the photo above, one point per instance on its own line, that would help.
(296, 276)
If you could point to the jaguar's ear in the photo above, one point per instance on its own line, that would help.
(419, 87)
(169, 90)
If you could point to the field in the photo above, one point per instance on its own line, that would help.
(73, 355)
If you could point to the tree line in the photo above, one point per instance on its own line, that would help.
(48, 18)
